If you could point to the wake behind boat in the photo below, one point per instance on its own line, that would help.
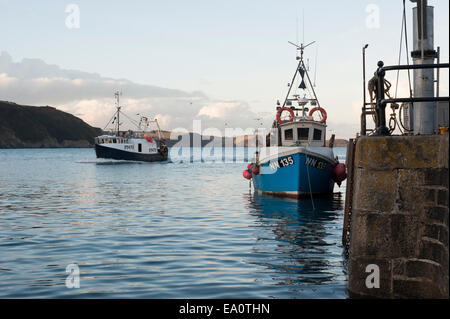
(298, 163)
(142, 144)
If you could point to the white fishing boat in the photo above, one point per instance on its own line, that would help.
(142, 144)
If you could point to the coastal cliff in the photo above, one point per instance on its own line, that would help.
(24, 126)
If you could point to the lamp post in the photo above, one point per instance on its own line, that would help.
(363, 114)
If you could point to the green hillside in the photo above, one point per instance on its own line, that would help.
(24, 126)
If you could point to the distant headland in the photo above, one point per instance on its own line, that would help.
(23, 126)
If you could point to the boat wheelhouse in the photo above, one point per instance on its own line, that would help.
(302, 130)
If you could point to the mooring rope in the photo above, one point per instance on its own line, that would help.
(309, 182)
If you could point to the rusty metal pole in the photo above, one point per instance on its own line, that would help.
(349, 162)
(363, 114)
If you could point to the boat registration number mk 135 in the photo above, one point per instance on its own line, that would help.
(282, 162)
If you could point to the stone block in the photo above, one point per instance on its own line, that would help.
(434, 250)
(436, 177)
(404, 235)
(411, 177)
(442, 197)
(410, 199)
(417, 268)
(429, 195)
(443, 150)
(410, 196)
(438, 232)
(399, 267)
(374, 190)
(391, 152)
(370, 235)
(384, 235)
(435, 214)
(417, 289)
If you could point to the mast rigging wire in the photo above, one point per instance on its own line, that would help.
(404, 30)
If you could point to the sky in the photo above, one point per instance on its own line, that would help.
(223, 62)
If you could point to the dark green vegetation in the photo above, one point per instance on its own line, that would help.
(24, 126)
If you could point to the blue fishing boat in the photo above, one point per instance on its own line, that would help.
(295, 160)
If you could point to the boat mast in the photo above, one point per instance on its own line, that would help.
(310, 84)
(301, 64)
(292, 82)
(159, 129)
(117, 95)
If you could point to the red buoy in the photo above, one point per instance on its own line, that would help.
(255, 170)
(339, 173)
(247, 174)
(248, 166)
(150, 139)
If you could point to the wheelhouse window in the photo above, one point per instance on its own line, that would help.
(317, 135)
(302, 133)
(289, 134)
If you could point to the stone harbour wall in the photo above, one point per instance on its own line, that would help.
(400, 217)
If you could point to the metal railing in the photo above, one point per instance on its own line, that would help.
(381, 101)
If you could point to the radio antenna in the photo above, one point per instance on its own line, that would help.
(315, 65)
(303, 25)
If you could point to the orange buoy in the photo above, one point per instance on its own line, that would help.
(321, 110)
(281, 111)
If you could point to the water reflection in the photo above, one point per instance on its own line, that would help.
(305, 235)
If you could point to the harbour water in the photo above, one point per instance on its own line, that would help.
(160, 230)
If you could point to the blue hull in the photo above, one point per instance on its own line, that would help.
(295, 175)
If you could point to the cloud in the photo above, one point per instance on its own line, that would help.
(90, 97)
(228, 114)
(38, 82)
(219, 110)
(7, 81)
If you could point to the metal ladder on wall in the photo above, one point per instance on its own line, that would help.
(366, 111)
